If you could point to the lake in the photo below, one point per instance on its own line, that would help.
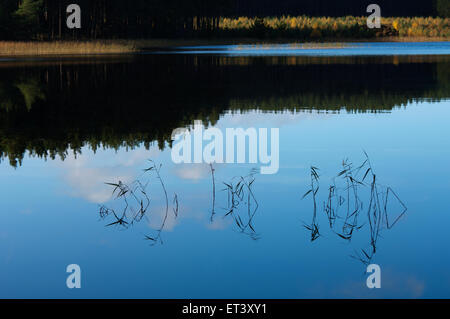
(88, 176)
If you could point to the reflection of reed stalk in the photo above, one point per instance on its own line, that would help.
(213, 192)
(314, 227)
(167, 201)
(328, 207)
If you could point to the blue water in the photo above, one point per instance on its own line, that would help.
(50, 207)
(338, 49)
(50, 218)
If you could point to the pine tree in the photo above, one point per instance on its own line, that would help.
(28, 15)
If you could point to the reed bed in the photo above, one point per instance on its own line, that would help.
(36, 48)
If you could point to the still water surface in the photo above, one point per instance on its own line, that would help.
(69, 126)
(327, 49)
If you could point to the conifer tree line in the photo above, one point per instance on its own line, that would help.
(46, 19)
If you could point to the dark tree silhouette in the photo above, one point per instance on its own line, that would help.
(46, 19)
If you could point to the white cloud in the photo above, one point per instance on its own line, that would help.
(157, 218)
(259, 118)
(87, 174)
(219, 223)
(193, 172)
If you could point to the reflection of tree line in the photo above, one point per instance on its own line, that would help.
(49, 109)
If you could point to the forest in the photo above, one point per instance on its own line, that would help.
(112, 19)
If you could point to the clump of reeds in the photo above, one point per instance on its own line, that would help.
(242, 204)
(136, 202)
(348, 198)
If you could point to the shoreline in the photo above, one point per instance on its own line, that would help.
(13, 49)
